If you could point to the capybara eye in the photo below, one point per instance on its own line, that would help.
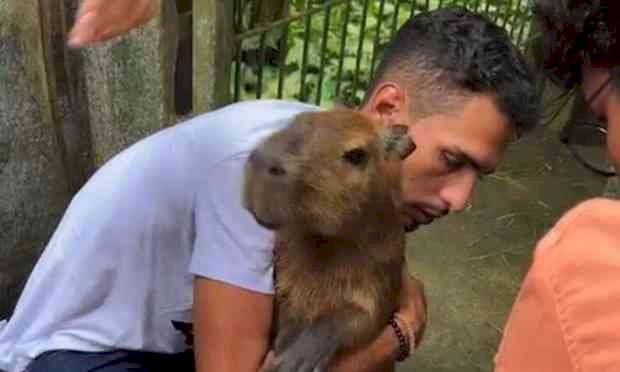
(357, 156)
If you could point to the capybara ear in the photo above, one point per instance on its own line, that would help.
(397, 141)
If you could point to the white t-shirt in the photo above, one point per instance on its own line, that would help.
(119, 267)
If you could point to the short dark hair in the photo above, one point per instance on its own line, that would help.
(453, 52)
(573, 32)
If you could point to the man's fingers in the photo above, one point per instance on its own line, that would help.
(84, 31)
(87, 6)
(101, 20)
(87, 22)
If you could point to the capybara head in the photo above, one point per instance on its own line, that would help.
(325, 172)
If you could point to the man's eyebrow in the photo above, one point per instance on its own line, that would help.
(478, 166)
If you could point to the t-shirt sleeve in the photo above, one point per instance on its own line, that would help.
(229, 245)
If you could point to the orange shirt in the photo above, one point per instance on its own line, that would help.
(566, 317)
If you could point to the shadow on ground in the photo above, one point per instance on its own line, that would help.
(472, 263)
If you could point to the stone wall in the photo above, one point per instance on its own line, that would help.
(65, 112)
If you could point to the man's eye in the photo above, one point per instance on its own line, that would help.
(452, 161)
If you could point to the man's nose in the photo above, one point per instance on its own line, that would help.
(457, 192)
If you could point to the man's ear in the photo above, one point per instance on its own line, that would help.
(396, 141)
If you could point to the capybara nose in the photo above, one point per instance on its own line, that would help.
(268, 163)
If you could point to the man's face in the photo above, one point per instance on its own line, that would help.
(453, 151)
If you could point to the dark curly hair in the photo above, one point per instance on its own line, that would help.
(452, 53)
(574, 32)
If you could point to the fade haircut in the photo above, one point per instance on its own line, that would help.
(574, 32)
(451, 53)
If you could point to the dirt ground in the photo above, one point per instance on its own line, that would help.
(472, 263)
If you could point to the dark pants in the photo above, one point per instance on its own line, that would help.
(114, 361)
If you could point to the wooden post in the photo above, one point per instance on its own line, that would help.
(67, 91)
(130, 84)
(213, 50)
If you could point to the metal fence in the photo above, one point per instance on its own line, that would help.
(325, 51)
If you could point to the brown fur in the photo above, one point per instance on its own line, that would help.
(340, 250)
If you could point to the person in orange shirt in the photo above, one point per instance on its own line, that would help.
(566, 317)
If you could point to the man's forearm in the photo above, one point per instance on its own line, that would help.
(380, 355)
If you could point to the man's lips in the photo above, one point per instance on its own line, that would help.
(420, 216)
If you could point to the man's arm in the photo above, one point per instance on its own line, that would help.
(231, 327)
(233, 271)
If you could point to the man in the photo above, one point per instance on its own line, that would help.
(565, 318)
(159, 235)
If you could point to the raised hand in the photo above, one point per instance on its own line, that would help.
(101, 20)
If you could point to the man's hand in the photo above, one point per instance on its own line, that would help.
(412, 307)
(101, 20)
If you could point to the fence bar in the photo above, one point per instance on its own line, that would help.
(304, 59)
(487, 8)
(518, 10)
(283, 50)
(395, 19)
(508, 14)
(377, 37)
(256, 14)
(477, 5)
(520, 37)
(496, 16)
(300, 15)
(237, 71)
(261, 64)
(360, 48)
(343, 38)
(239, 14)
(326, 21)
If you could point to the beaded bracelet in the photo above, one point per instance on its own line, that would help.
(403, 342)
(411, 336)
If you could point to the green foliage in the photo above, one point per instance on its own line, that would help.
(343, 65)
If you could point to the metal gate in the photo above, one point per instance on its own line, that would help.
(326, 51)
